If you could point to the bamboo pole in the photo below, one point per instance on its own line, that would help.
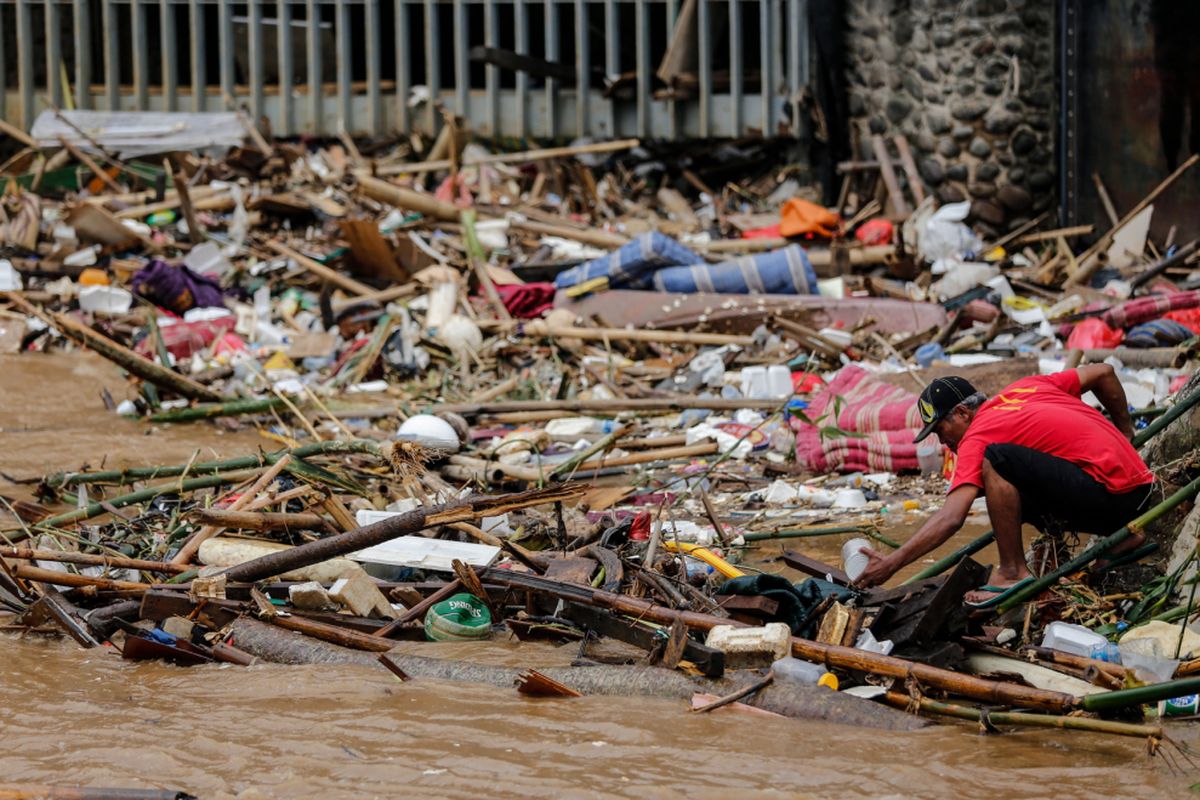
(120, 355)
(943, 564)
(259, 520)
(609, 407)
(522, 157)
(189, 548)
(322, 271)
(1181, 407)
(55, 578)
(132, 474)
(253, 405)
(833, 656)
(89, 559)
(390, 193)
(1140, 695)
(391, 528)
(903, 701)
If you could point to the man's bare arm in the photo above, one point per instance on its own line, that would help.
(1101, 380)
(936, 530)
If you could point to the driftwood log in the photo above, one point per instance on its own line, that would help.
(801, 702)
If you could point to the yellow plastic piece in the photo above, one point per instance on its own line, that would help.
(279, 361)
(911, 505)
(93, 277)
(707, 556)
(828, 680)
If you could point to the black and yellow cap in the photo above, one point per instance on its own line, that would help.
(939, 399)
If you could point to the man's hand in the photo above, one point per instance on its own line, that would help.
(879, 569)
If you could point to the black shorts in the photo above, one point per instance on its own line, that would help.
(1058, 496)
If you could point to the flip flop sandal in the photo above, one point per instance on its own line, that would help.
(1002, 592)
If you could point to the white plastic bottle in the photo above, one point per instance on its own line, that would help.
(797, 671)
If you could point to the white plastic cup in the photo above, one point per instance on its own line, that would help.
(854, 561)
(754, 383)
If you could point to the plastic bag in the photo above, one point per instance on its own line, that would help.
(946, 240)
(1094, 334)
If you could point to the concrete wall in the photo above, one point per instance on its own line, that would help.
(971, 83)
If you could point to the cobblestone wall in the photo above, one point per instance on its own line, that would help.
(971, 83)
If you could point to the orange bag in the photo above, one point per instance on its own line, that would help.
(800, 217)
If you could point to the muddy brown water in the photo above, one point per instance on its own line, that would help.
(72, 717)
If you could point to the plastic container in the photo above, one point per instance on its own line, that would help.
(779, 382)
(1074, 639)
(803, 673)
(104, 299)
(854, 561)
(929, 455)
(754, 383)
(429, 431)
(10, 279)
(571, 428)
(849, 498)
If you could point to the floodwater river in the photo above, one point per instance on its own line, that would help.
(72, 717)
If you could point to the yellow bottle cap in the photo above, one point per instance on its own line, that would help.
(828, 679)
(93, 277)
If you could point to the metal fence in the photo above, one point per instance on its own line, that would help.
(321, 66)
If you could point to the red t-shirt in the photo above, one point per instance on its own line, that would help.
(1045, 413)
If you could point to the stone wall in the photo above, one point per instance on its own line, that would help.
(972, 84)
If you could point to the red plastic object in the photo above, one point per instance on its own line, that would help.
(185, 338)
(1094, 334)
(875, 232)
(1187, 317)
(639, 530)
(806, 382)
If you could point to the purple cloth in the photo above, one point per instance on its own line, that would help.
(176, 288)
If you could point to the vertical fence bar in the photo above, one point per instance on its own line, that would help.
(375, 122)
(225, 52)
(141, 55)
(672, 109)
(641, 20)
(4, 75)
(314, 72)
(403, 66)
(583, 78)
(735, 66)
(170, 74)
(551, 126)
(491, 73)
(704, 67)
(462, 77)
(521, 43)
(196, 56)
(25, 61)
(433, 73)
(112, 62)
(341, 29)
(612, 59)
(766, 61)
(254, 52)
(83, 54)
(797, 59)
(285, 65)
(776, 43)
(54, 90)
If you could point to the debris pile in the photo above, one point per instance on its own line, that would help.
(576, 394)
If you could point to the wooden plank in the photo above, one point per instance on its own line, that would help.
(888, 172)
(708, 660)
(372, 254)
(817, 569)
(910, 168)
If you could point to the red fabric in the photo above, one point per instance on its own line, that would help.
(1188, 318)
(875, 231)
(185, 338)
(1045, 413)
(885, 414)
(1094, 334)
(527, 300)
(769, 232)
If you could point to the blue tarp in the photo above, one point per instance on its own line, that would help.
(659, 262)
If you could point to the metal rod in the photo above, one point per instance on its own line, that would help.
(491, 73)
(551, 127)
(433, 77)
(83, 53)
(403, 66)
(166, 38)
(254, 47)
(582, 62)
(704, 67)
(225, 48)
(521, 42)
(341, 30)
(112, 62)
(641, 26)
(375, 120)
(735, 66)
(462, 77)
(25, 47)
(197, 56)
(765, 61)
(285, 65)
(141, 54)
(53, 54)
(612, 58)
(314, 70)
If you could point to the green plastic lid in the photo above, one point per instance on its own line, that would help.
(463, 616)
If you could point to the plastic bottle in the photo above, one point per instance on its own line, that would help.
(1106, 652)
(929, 455)
(926, 354)
(853, 560)
(574, 427)
(803, 673)
(1074, 639)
